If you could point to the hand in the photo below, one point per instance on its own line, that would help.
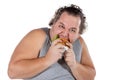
(55, 51)
(70, 56)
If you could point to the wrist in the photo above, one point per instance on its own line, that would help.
(74, 66)
(48, 60)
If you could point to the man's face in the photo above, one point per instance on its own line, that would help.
(67, 26)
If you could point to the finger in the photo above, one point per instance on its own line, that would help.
(60, 54)
(60, 57)
(69, 51)
(61, 50)
(68, 55)
(70, 45)
(59, 46)
(55, 42)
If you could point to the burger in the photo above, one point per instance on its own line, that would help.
(64, 41)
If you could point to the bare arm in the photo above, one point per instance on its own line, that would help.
(83, 70)
(24, 62)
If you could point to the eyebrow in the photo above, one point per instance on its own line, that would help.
(74, 28)
(71, 27)
(61, 23)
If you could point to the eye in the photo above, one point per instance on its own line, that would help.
(61, 26)
(73, 30)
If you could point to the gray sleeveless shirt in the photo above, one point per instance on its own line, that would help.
(59, 70)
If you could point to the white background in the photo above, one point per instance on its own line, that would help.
(18, 17)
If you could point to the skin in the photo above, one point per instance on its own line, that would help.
(66, 27)
(26, 52)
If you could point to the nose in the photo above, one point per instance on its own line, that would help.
(65, 34)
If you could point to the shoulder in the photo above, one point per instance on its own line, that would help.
(35, 34)
(30, 45)
(35, 37)
(82, 42)
(83, 45)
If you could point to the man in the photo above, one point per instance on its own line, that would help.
(38, 57)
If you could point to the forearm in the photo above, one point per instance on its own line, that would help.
(82, 72)
(28, 68)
